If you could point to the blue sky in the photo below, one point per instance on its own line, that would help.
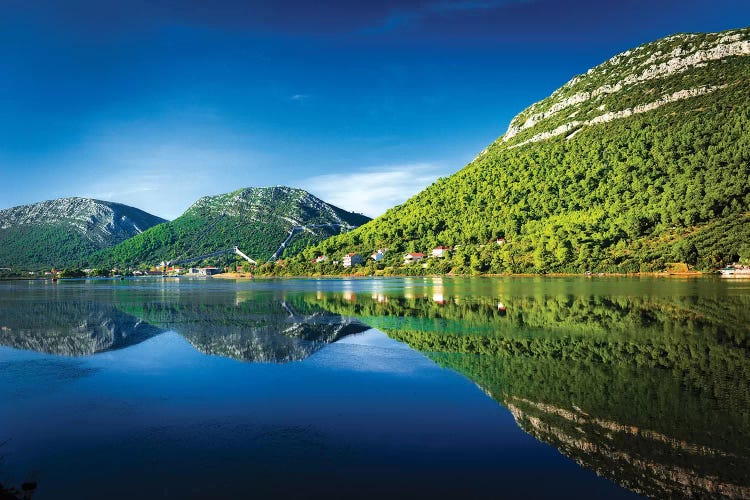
(156, 103)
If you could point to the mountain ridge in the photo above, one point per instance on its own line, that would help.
(64, 230)
(257, 219)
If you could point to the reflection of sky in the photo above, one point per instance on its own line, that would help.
(161, 409)
(360, 409)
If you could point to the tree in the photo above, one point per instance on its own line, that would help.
(685, 251)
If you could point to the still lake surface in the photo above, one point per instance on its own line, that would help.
(403, 387)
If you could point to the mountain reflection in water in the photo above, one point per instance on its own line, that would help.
(246, 327)
(649, 391)
(643, 382)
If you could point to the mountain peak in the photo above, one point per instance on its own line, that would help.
(636, 81)
(55, 232)
(256, 219)
(641, 161)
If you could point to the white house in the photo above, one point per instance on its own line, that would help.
(379, 255)
(440, 252)
(320, 258)
(352, 259)
(411, 258)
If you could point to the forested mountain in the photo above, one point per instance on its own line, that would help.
(65, 231)
(257, 220)
(641, 161)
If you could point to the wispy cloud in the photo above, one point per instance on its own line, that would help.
(400, 17)
(299, 97)
(165, 178)
(374, 190)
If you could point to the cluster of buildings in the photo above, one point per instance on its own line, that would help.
(355, 259)
(178, 271)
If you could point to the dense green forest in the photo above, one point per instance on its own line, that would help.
(670, 184)
(44, 246)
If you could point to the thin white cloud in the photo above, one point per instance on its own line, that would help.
(373, 190)
(299, 97)
(400, 17)
(164, 177)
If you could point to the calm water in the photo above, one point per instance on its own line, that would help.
(513, 387)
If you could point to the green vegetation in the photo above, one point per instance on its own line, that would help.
(43, 246)
(64, 232)
(668, 185)
(256, 220)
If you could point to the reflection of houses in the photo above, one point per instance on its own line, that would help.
(411, 258)
(382, 299)
(379, 255)
(352, 259)
(440, 252)
(204, 271)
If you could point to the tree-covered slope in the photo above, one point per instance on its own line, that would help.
(641, 161)
(65, 231)
(257, 220)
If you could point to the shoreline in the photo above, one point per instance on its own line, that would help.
(692, 274)
(249, 276)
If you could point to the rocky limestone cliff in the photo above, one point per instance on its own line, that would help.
(292, 205)
(651, 75)
(102, 223)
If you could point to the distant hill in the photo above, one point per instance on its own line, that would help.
(641, 161)
(63, 232)
(257, 220)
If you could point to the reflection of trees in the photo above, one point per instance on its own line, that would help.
(638, 426)
(724, 319)
(650, 392)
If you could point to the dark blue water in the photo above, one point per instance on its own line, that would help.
(212, 389)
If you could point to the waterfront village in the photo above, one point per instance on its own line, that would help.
(348, 261)
(355, 259)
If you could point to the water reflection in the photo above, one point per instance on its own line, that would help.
(70, 328)
(243, 325)
(650, 391)
(644, 383)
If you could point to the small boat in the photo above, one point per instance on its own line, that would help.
(735, 271)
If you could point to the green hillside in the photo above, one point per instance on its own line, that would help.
(642, 161)
(66, 231)
(257, 220)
